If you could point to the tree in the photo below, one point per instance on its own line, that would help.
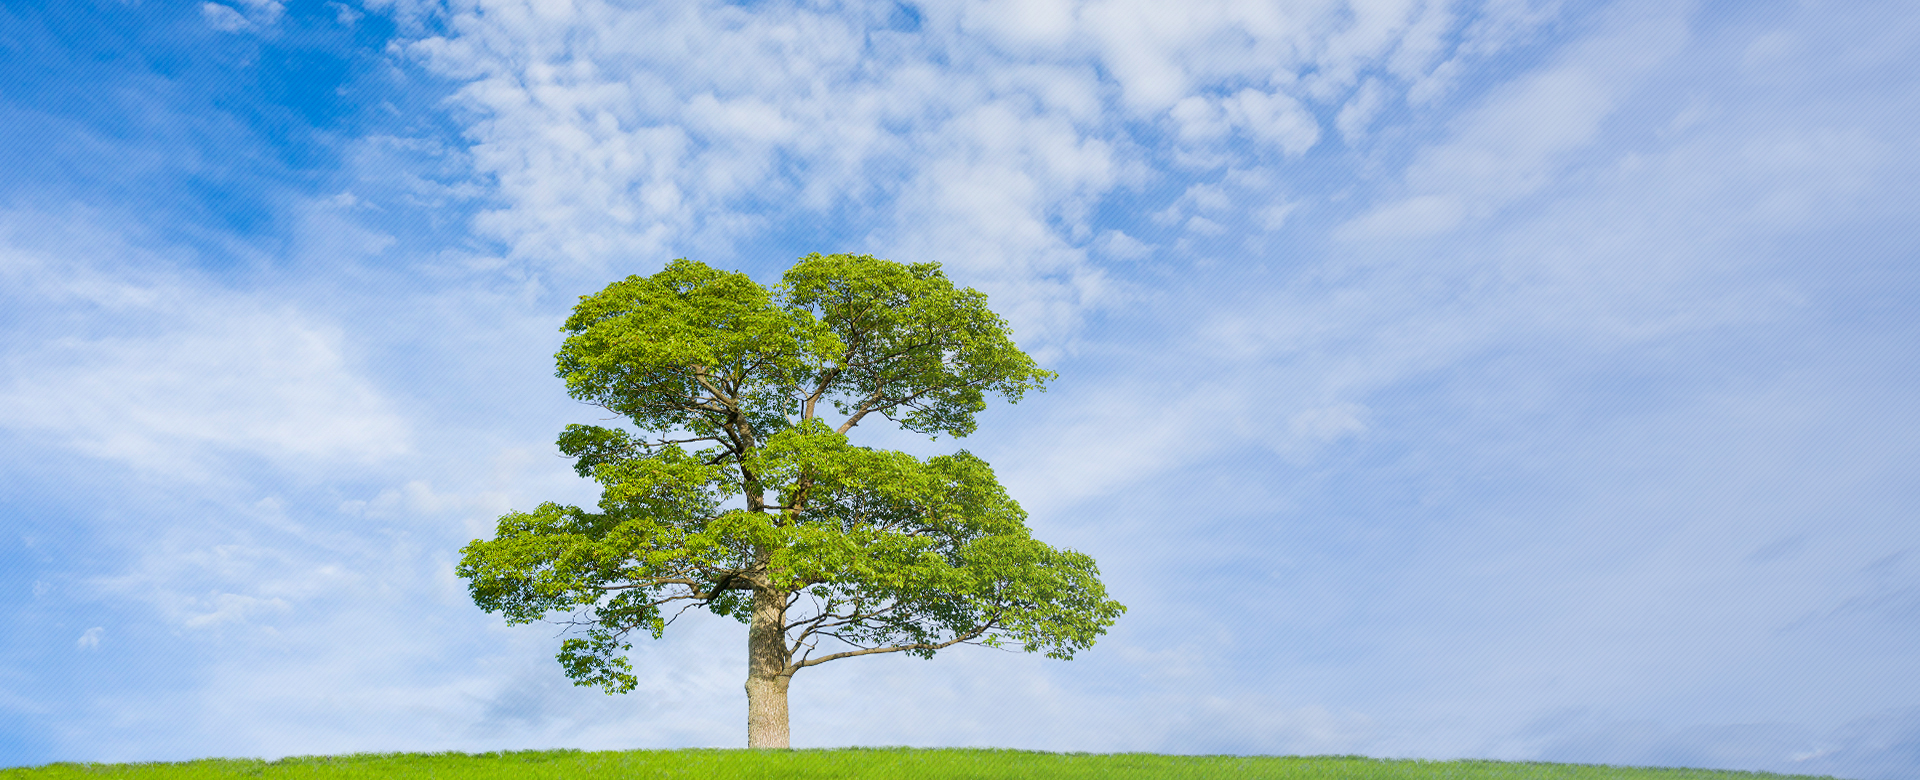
(736, 494)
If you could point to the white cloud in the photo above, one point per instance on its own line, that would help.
(165, 374)
(983, 137)
(1421, 215)
(1328, 423)
(1120, 246)
(1272, 118)
(231, 608)
(1030, 25)
(1360, 111)
(90, 639)
(1274, 217)
(223, 18)
(262, 382)
(258, 14)
(1527, 135)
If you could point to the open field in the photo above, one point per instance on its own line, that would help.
(855, 763)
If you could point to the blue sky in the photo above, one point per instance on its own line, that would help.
(1439, 378)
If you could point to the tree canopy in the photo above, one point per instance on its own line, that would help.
(738, 489)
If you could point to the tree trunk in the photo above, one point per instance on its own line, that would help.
(767, 674)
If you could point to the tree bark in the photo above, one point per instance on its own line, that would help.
(767, 672)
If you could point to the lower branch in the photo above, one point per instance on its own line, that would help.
(974, 634)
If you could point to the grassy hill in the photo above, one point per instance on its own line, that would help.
(857, 763)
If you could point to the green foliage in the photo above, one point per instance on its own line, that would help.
(731, 481)
(862, 763)
(911, 338)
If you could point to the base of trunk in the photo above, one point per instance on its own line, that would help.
(767, 712)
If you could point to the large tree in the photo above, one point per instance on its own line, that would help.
(735, 491)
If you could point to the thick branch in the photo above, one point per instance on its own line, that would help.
(664, 442)
(865, 407)
(700, 375)
(726, 579)
(813, 398)
(974, 634)
(819, 623)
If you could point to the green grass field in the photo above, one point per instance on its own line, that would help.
(848, 764)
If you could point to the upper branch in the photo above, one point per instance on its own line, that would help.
(865, 407)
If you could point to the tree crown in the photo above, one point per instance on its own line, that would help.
(735, 485)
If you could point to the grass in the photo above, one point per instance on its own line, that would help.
(854, 763)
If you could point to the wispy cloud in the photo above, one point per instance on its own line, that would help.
(90, 640)
(128, 361)
(971, 134)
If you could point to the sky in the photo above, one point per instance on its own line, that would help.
(1511, 379)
